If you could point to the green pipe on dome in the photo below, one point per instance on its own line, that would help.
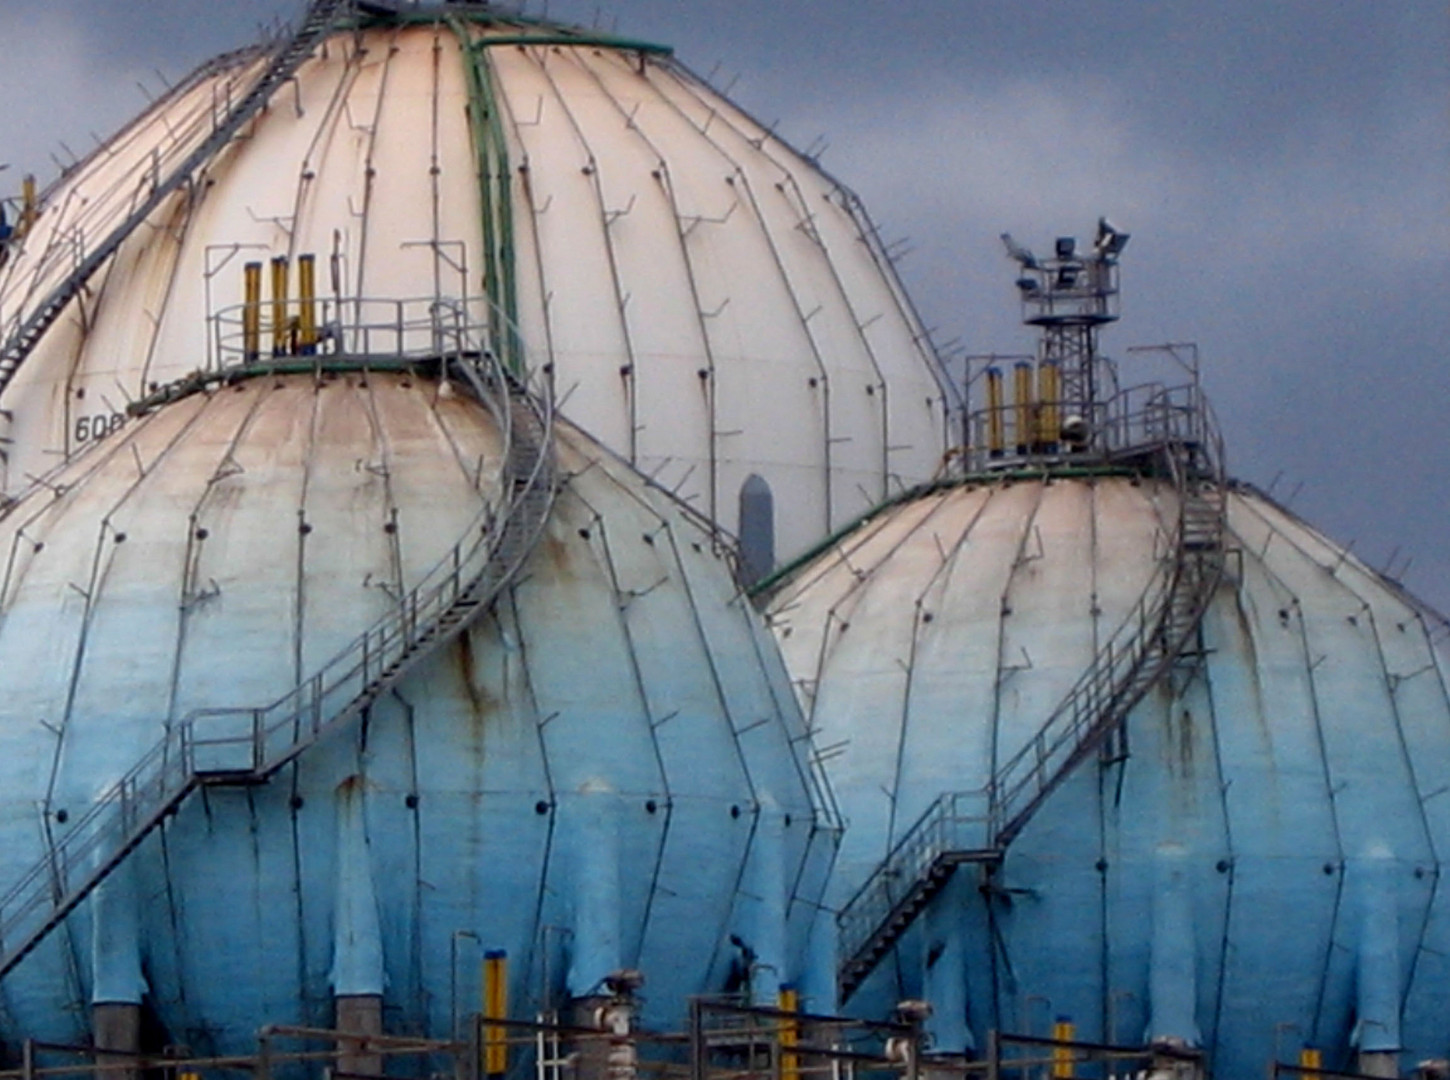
(495, 179)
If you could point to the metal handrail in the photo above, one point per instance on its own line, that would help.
(1173, 427)
(413, 328)
(154, 187)
(251, 744)
(1136, 420)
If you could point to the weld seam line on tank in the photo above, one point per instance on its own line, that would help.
(858, 545)
(941, 573)
(98, 209)
(92, 458)
(414, 916)
(837, 616)
(712, 367)
(689, 86)
(538, 936)
(1365, 608)
(299, 676)
(868, 233)
(325, 127)
(101, 558)
(100, 565)
(439, 417)
(1029, 521)
(87, 307)
(1388, 583)
(194, 553)
(1277, 586)
(1205, 632)
(57, 248)
(533, 59)
(664, 188)
(391, 526)
(299, 611)
(784, 706)
(743, 178)
(1306, 655)
(370, 171)
(1107, 1017)
(235, 59)
(179, 234)
(622, 604)
(1435, 887)
(1409, 976)
(596, 187)
(727, 713)
(435, 169)
(782, 576)
(1393, 703)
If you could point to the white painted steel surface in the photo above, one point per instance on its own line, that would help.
(712, 304)
(1296, 782)
(221, 548)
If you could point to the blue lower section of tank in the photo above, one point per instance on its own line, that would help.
(1251, 868)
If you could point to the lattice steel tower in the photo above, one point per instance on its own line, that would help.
(1070, 296)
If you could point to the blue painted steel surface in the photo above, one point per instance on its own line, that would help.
(1253, 867)
(604, 772)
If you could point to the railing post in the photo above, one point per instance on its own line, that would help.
(259, 739)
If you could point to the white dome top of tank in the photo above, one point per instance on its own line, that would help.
(606, 770)
(1279, 799)
(711, 305)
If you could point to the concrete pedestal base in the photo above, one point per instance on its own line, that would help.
(116, 1026)
(359, 1015)
(1380, 1063)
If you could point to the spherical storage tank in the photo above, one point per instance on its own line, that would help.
(604, 771)
(1248, 865)
(710, 304)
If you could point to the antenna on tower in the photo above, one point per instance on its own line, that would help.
(1070, 296)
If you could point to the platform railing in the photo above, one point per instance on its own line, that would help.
(1167, 430)
(250, 744)
(414, 328)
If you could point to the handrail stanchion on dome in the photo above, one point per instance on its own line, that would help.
(460, 586)
(1163, 430)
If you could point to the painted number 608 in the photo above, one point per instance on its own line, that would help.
(98, 426)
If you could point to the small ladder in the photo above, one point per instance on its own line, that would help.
(319, 19)
(1160, 633)
(249, 746)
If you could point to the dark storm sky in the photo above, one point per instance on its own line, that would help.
(1283, 166)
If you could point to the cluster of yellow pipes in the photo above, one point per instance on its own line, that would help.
(1036, 408)
(292, 334)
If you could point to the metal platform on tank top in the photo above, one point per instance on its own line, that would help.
(1178, 440)
(249, 746)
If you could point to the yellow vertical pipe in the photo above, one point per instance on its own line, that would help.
(307, 304)
(251, 311)
(1063, 1031)
(1022, 399)
(790, 1035)
(28, 203)
(1048, 394)
(495, 1007)
(996, 442)
(1311, 1058)
(279, 306)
